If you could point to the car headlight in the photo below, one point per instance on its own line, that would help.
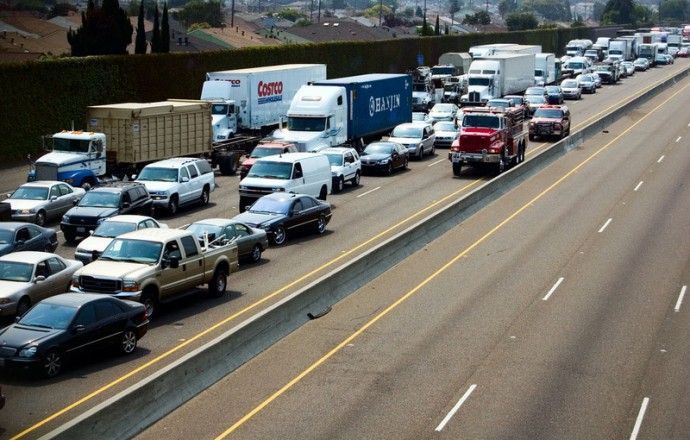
(130, 286)
(28, 211)
(383, 161)
(65, 219)
(28, 352)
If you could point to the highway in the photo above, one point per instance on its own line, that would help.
(481, 309)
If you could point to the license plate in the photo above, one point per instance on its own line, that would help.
(81, 229)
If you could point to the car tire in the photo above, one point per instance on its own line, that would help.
(255, 254)
(173, 204)
(433, 150)
(320, 224)
(70, 236)
(355, 180)
(532, 137)
(389, 168)
(219, 283)
(406, 163)
(52, 363)
(48, 248)
(279, 235)
(150, 301)
(323, 194)
(129, 341)
(40, 219)
(205, 196)
(23, 305)
(339, 184)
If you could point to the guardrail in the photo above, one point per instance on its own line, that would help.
(132, 410)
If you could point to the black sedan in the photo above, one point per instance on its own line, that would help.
(280, 214)
(21, 236)
(70, 326)
(251, 242)
(384, 157)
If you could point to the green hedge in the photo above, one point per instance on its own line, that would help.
(41, 97)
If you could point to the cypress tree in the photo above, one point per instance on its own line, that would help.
(165, 30)
(156, 34)
(140, 43)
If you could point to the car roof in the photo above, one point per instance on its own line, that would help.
(116, 187)
(74, 299)
(340, 150)
(128, 218)
(289, 157)
(173, 162)
(284, 196)
(27, 256)
(42, 183)
(13, 226)
(216, 221)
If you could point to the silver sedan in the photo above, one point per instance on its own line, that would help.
(27, 277)
(38, 202)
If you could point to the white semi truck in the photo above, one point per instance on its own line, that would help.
(494, 76)
(252, 101)
(545, 69)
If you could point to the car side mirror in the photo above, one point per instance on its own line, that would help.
(125, 204)
(53, 198)
(39, 278)
(184, 179)
(172, 262)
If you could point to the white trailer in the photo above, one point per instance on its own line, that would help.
(484, 50)
(518, 48)
(620, 50)
(494, 76)
(254, 100)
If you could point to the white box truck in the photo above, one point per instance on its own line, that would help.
(518, 48)
(252, 101)
(484, 50)
(544, 69)
(496, 75)
(620, 50)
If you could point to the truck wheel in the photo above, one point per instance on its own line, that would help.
(324, 193)
(501, 167)
(339, 184)
(457, 168)
(355, 180)
(228, 165)
(150, 301)
(87, 184)
(204, 196)
(219, 283)
(173, 205)
(279, 235)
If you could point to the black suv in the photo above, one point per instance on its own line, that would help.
(103, 202)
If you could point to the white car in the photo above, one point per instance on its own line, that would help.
(40, 201)
(571, 89)
(443, 112)
(420, 117)
(178, 181)
(92, 246)
(346, 166)
(446, 133)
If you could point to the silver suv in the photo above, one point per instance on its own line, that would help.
(417, 137)
(178, 181)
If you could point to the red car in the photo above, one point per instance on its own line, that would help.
(684, 52)
(263, 150)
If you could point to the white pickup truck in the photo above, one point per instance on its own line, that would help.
(158, 265)
(178, 181)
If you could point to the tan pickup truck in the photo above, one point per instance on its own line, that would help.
(158, 265)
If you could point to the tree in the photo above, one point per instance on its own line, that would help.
(165, 30)
(555, 10)
(618, 12)
(598, 10)
(505, 7)
(197, 11)
(156, 33)
(673, 10)
(520, 21)
(419, 13)
(437, 30)
(453, 8)
(479, 17)
(104, 31)
(140, 42)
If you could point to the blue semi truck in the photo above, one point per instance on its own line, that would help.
(347, 111)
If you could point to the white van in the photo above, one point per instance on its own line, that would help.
(304, 173)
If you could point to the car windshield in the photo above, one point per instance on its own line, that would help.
(569, 84)
(264, 151)
(306, 124)
(110, 229)
(158, 174)
(49, 316)
(535, 99)
(100, 199)
(271, 170)
(444, 126)
(271, 206)
(16, 271)
(137, 251)
(485, 121)
(547, 113)
(378, 148)
(30, 193)
(498, 103)
(407, 132)
(442, 108)
(534, 91)
(554, 90)
(419, 116)
(335, 159)
(6, 236)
